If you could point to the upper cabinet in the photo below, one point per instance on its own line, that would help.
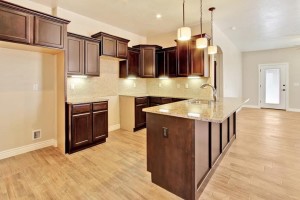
(112, 45)
(22, 25)
(190, 60)
(82, 55)
(147, 60)
(166, 62)
(130, 67)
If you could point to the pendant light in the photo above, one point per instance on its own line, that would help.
(212, 49)
(184, 33)
(201, 43)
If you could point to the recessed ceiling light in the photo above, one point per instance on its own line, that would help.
(158, 16)
(233, 28)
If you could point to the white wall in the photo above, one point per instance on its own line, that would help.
(232, 57)
(251, 60)
(23, 109)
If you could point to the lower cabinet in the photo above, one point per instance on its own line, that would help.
(140, 116)
(87, 125)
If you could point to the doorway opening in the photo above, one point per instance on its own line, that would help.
(273, 86)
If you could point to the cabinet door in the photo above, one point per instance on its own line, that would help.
(122, 49)
(92, 66)
(225, 134)
(171, 62)
(161, 64)
(81, 130)
(75, 56)
(197, 60)
(48, 33)
(133, 63)
(109, 46)
(15, 26)
(140, 116)
(183, 58)
(100, 125)
(147, 62)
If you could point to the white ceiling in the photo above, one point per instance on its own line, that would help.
(260, 24)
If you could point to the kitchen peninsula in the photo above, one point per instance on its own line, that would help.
(185, 140)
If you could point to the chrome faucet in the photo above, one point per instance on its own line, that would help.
(205, 85)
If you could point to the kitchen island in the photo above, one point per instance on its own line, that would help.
(186, 140)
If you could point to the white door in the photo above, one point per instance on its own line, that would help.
(273, 86)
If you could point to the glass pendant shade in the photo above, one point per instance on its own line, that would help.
(201, 43)
(212, 50)
(184, 33)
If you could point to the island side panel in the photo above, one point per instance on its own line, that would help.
(201, 151)
(170, 158)
(215, 142)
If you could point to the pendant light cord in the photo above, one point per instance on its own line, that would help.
(212, 30)
(201, 17)
(183, 13)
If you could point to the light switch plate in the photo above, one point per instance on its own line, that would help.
(296, 84)
(35, 87)
(134, 85)
(178, 86)
(160, 85)
(72, 86)
(186, 86)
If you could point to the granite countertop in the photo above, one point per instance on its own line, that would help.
(85, 100)
(148, 95)
(204, 110)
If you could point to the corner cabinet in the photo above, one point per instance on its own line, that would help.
(130, 67)
(148, 60)
(22, 25)
(87, 125)
(166, 62)
(112, 46)
(82, 55)
(190, 60)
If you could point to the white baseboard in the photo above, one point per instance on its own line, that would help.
(251, 106)
(114, 127)
(293, 110)
(27, 148)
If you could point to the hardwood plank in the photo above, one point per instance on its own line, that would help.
(263, 163)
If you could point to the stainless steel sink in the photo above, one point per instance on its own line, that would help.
(200, 101)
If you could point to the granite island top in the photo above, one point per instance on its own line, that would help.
(80, 100)
(150, 95)
(203, 110)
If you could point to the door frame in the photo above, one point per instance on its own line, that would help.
(286, 85)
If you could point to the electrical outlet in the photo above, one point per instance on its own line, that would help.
(296, 84)
(134, 85)
(178, 85)
(186, 86)
(160, 85)
(72, 86)
(36, 134)
(35, 87)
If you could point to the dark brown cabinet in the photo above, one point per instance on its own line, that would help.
(48, 33)
(22, 25)
(156, 101)
(111, 45)
(148, 60)
(192, 61)
(140, 116)
(166, 62)
(82, 55)
(100, 121)
(87, 125)
(130, 67)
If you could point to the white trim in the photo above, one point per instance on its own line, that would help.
(251, 106)
(287, 81)
(27, 148)
(114, 127)
(293, 110)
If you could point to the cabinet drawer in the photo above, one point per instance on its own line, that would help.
(141, 100)
(81, 108)
(166, 100)
(100, 106)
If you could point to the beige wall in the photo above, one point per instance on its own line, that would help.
(22, 109)
(251, 60)
(232, 57)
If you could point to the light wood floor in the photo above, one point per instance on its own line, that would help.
(263, 163)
